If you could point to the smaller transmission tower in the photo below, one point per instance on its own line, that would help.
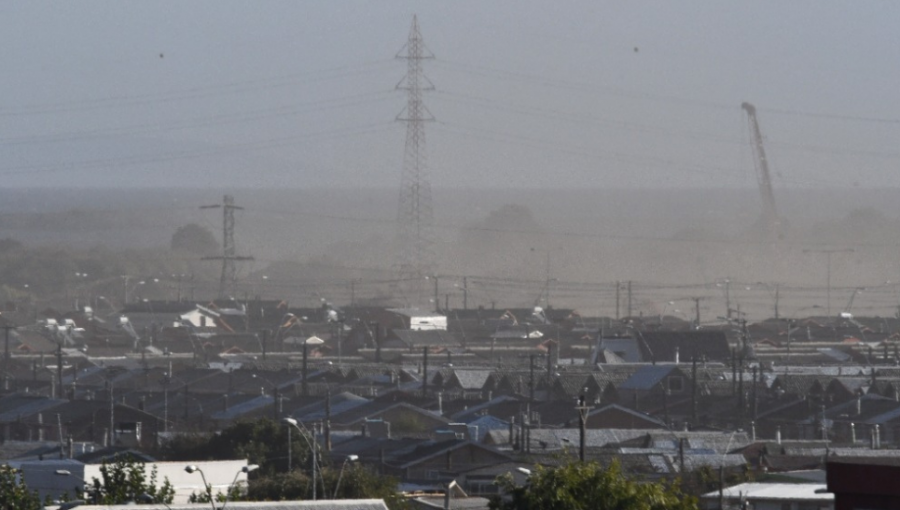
(415, 216)
(228, 257)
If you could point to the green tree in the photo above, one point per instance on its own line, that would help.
(194, 238)
(589, 486)
(14, 494)
(263, 442)
(125, 480)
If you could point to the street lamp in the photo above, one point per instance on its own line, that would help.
(192, 469)
(312, 446)
(350, 458)
(245, 469)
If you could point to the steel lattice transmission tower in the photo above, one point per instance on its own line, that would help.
(415, 216)
(228, 257)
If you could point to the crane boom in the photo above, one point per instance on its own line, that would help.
(769, 211)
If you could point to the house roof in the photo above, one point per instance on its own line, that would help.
(15, 407)
(558, 439)
(775, 491)
(470, 379)
(647, 377)
(625, 348)
(340, 403)
(426, 337)
(703, 344)
(432, 449)
(616, 407)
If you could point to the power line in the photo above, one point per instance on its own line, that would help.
(216, 120)
(232, 149)
(189, 93)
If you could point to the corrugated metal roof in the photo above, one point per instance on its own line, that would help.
(786, 491)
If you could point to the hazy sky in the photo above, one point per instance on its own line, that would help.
(528, 93)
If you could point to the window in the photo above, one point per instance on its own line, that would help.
(676, 384)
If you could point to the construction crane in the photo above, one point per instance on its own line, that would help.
(770, 220)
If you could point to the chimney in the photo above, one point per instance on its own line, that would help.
(872, 437)
(676, 355)
(778, 434)
(40, 419)
(877, 437)
(852, 433)
(441, 403)
(858, 405)
(753, 431)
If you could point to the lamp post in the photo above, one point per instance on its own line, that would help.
(192, 469)
(350, 458)
(246, 470)
(312, 446)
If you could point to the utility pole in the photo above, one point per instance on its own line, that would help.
(465, 293)
(694, 390)
(228, 257)
(547, 280)
(530, 384)
(424, 372)
(437, 299)
(583, 411)
(59, 369)
(790, 324)
(6, 355)
(629, 298)
(696, 312)
(777, 289)
(728, 298)
(828, 254)
(415, 216)
(125, 279)
(618, 288)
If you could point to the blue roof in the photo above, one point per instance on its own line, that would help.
(647, 377)
(480, 427)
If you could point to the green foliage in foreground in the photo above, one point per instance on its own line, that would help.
(14, 494)
(264, 442)
(589, 486)
(125, 480)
